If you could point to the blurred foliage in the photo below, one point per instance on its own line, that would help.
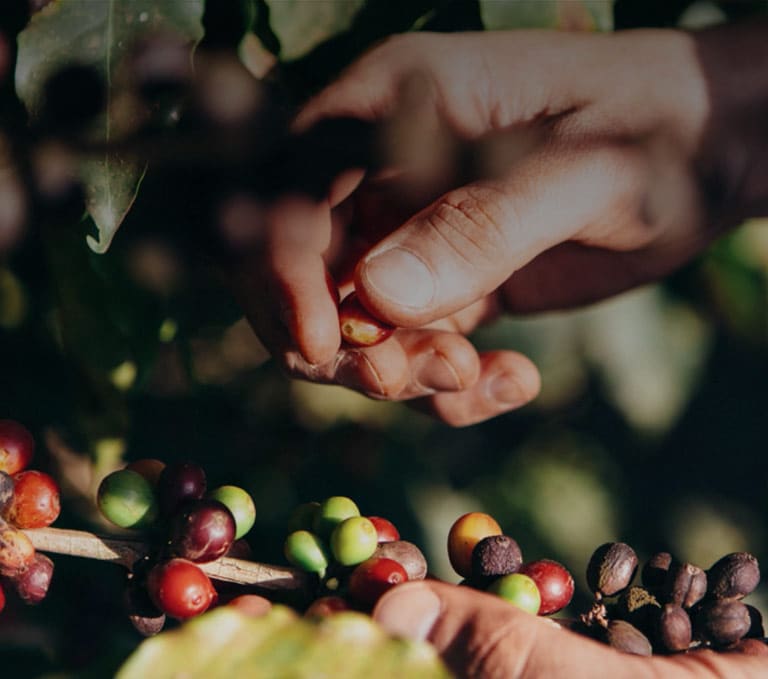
(650, 426)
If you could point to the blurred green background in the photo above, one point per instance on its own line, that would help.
(650, 427)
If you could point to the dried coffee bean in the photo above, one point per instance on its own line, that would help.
(627, 638)
(637, 606)
(733, 576)
(722, 621)
(685, 585)
(611, 568)
(494, 556)
(654, 571)
(672, 629)
(408, 555)
(756, 629)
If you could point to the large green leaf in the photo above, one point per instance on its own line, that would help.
(564, 14)
(224, 643)
(300, 25)
(100, 33)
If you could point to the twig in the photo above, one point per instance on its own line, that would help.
(126, 551)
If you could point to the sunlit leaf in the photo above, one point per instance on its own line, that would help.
(224, 643)
(100, 34)
(300, 25)
(578, 15)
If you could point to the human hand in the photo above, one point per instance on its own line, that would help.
(480, 635)
(614, 194)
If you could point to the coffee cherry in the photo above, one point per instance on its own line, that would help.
(654, 571)
(331, 513)
(733, 576)
(149, 468)
(180, 589)
(358, 326)
(354, 540)
(722, 621)
(685, 585)
(672, 629)
(465, 533)
(307, 551)
(385, 529)
(637, 606)
(126, 499)
(756, 629)
(6, 490)
(303, 517)
(325, 606)
(240, 503)
(16, 551)
(253, 605)
(202, 531)
(626, 638)
(554, 582)
(16, 447)
(372, 578)
(180, 482)
(519, 590)
(33, 582)
(35, 502)
(408, 555)
(493, 556)
(611, 568)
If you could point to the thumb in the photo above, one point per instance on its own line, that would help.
(468, 242)
(480, 635)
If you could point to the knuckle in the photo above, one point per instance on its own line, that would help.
(473, 222)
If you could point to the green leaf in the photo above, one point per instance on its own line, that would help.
(561, 14)
(301, 25)
(224, 643)
(100, 34)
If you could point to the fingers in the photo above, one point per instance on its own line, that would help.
(480, 635)
(468, 242)
(301, 291)
(507, 381)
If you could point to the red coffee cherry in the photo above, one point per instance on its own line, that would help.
(373, 577)
(180, 589)
(554, 581)
(35, 502)
(358, 326)
(16, 447)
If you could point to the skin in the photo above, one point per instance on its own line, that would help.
(629, 154)
(605, 187)
(479, 635)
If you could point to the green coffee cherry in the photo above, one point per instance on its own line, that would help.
(307, 551)
(240, 503)
(354, 540)
(127, 499)
(519, 590)
(332, 512)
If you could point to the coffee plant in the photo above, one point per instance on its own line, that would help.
(142, 426)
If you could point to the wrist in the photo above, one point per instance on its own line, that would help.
(734, 157)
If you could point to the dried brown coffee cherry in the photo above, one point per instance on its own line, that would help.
(611, 568)
(733, 576)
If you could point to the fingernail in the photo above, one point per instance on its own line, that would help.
(505, 389)
(409, 611)
(401, 277)
(433, 371)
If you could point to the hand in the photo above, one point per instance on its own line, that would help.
(480, 635)
(615, 193)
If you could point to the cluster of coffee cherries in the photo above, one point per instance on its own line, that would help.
(491, 561)
(356, 558)
(676, 607)
(28, 499)
(186, 524)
